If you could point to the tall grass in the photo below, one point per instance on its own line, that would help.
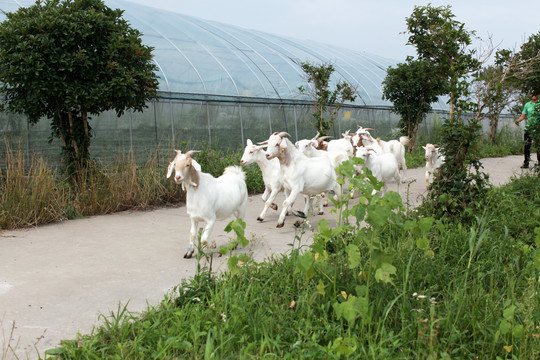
(29, 194)
(33, 193)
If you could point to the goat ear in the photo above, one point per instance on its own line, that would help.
(170, 169)
(423, 147)
(194, 171)
(283, 144)
(249, 143)
(178, 151)
(195, 165)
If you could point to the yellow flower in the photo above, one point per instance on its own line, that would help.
(344, 294)
(508, 348)
(293, 304)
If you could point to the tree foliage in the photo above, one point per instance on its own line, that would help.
(528, 70)
(444, 41)
(412, 87)
(68, 59)
(494, 92)
(324, 98)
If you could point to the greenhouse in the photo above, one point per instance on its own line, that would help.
(220, 85)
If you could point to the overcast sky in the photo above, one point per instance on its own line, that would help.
(373, 26)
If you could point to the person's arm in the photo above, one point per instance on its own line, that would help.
(520, 119)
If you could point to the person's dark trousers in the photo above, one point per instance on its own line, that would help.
(527, 149)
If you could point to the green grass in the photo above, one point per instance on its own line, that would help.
(382, 284)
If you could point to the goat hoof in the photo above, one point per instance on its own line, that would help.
(260, 219)
(299, 214)
(188, 255)
(280, 225)
(273, 206)
(298, 223)
(321, 212)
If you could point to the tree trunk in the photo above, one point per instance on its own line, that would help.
(493, 125)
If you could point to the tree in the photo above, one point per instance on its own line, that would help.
(68, 59)
(493, 91)
(528, 69)
(412, 87)
(443, 41)
(319, 77)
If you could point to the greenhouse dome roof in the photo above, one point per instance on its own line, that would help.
(197, 58)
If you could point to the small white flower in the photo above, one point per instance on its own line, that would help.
(414, 294)
(422, 296)
(213, 306)
(196, 299)
(433, 301)
(224, 317)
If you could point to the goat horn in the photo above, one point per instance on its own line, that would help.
(283, 133)
(191, 152)
(369, 129)
(323, 138)
(263, 143)
(316, 136)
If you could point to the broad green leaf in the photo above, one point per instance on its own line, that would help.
(352, 309)
(422, 243)
(425, 224)
(505, 327)
(385, 272)
(518, 331)
(320, 288)
(345, 347)
(509, 312)
(354, 256)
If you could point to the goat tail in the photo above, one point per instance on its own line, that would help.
(236, 170)
(404, 140)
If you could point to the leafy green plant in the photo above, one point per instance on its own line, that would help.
(461, 185)
(318, 76)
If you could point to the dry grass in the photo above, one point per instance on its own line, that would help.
(33, 193)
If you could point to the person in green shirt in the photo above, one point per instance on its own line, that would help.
(528, 110)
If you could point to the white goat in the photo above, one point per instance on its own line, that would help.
(383, 166)
(434, 159)
(356, 139)
(271, 173)
(309, 176)
(208, 198)
(395, 147)
(309, 149)
(343, 145)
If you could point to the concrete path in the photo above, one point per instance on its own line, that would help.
(56, 280)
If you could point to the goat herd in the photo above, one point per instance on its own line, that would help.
(307, 168)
